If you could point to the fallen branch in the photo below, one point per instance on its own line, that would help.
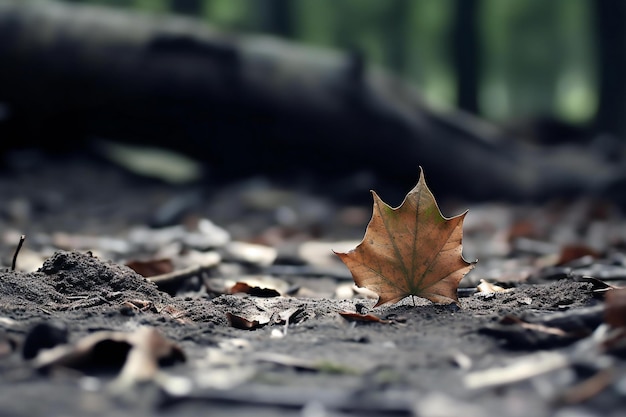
(250, 105)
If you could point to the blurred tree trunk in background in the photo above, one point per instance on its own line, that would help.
(466, 53)
(508, 59)
(611, 49)
(249, 106)
(187, 7)
(397, 35)
(277, 17)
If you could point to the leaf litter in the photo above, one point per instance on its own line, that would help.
(395, 363)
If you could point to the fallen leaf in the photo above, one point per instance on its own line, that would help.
(42, 336)
(570, 253)
(267, 285)
(243, 323)
(291, 315)
(488, 288)
(151, 267)
(410, 250)
(371, 318)
(150, 350)
(150, 161)
(522, 228)
(242, 287)
(598, 287)
(615, 307)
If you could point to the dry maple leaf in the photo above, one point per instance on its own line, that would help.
(410, 250)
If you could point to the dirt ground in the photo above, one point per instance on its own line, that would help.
(538, 348)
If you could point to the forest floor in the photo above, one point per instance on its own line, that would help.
(537, 346)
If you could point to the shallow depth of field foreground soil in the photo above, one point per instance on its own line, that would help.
(81, 333)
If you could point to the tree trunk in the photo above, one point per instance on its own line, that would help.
(466, 50)
(187, 7)
(277, 17)
(396, 25)
(610, 16)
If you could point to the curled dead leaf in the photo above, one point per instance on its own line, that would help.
(599, 287)
(570, 253)
(243, 323)
(488, 288)
(151, 267)
(370, 318)
(410, 250)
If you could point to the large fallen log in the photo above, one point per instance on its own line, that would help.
(252, 105)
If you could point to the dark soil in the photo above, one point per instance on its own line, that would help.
(319, 364)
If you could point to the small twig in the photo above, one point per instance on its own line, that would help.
(77, 297)
(48, 312)
(587, 389)
(17, 251)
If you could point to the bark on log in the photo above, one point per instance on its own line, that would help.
(251, 105)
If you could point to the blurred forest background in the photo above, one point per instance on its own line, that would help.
(505, 60)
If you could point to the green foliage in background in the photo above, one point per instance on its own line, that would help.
(537, 58)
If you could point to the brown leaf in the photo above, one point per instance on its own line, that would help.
(572, 252)
(615, 308)
(598, 287)
(410, 250)
(488, 288)
(352, 316)
(150, 350)
(152, 267)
